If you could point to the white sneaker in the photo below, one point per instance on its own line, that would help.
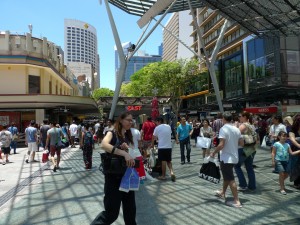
(242, 189)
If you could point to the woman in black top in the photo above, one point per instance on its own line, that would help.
(294, 136)
(117, 142)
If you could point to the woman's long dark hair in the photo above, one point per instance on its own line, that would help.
(118, 128)
(248, 116)
(296, 125)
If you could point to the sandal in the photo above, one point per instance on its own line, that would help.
(219, 195)
(161, 178)
(232, 204)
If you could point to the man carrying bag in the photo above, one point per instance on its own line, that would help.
(230, 137)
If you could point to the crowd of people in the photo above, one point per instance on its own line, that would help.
(234, 140)
(52, 137)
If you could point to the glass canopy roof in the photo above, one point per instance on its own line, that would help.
(140, 7)
(268, 17)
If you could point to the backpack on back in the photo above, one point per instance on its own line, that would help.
(251, 136)
(88, 138)
(4, 139)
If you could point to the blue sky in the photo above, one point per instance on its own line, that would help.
(47, 18)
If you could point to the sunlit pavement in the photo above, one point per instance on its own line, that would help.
(33, 194)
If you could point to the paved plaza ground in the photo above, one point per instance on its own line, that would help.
(33, 194)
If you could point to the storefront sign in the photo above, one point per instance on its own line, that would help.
(261, 110)
(134, 108)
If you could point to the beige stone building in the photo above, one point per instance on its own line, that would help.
(35, 84)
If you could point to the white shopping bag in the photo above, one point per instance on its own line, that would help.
(203, 142)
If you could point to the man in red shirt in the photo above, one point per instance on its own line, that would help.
(147, 134)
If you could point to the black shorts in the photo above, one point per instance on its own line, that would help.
(165, 154)
(5, 150)
(227, 171)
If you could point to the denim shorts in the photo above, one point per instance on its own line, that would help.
(281, 166)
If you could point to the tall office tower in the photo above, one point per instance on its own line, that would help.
(179, 26)
(161, 49)
(81, 50)
(135, 63)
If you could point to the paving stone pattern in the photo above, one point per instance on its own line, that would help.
(34, 194)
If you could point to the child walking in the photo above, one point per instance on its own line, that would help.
(280, 158)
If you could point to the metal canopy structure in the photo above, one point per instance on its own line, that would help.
(269, 17)
(261, 17)
(140, 7)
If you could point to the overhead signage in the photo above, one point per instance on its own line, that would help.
(134, 108)
(258, 110)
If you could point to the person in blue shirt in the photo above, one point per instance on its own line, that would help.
(184, 132)
(14, 131)
(32, 141)
(280, 157)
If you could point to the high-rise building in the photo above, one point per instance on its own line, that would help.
(161, 49)
(135, 63)
(179, 26)
(81, 49)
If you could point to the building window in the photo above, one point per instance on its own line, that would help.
(50, 87)
(34, 84)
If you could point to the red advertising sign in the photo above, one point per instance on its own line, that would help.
(261, 110)
(134, 108)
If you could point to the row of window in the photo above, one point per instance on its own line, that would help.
(211, 23)
(34, 83)
(82, 41)
(227, 39)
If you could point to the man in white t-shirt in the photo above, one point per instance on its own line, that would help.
(136, 136)
(162, 133)
(230, 138)
(73, 133)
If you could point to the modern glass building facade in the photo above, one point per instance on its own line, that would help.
(136, 62)
(272, 70)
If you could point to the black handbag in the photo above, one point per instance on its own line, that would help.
(110, 163)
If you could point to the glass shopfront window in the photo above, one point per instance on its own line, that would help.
(260, 67)
(290, 61)
(233, 76)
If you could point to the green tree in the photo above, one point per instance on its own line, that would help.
(102, 92)
(169, 78)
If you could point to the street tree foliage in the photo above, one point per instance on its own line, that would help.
(171, 79)
(102, 92)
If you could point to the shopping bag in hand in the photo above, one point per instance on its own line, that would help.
(203, 142)
(210, 170)
(134, 180)
(125, 182)
(130, 181)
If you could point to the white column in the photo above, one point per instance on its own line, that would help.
(39, 115)
(6, 41)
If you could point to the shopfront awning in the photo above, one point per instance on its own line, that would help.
(262, 110)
